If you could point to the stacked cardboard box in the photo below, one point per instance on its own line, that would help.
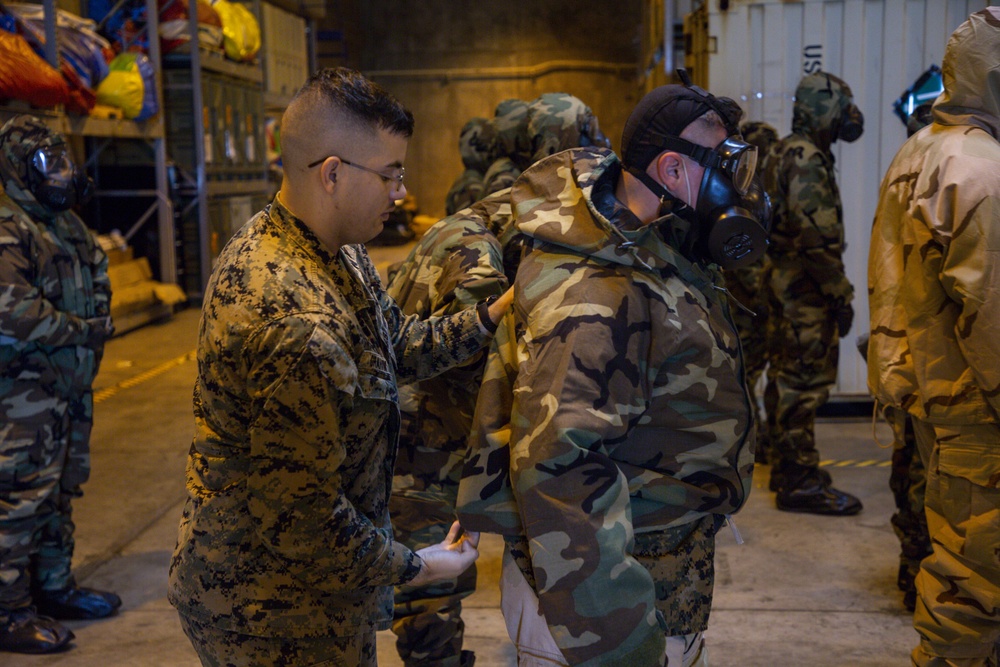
(136, 299)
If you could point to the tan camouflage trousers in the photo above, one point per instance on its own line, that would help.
(219, 648)
(803, 366)
(44, 458)
(427, 620)
(958, 587)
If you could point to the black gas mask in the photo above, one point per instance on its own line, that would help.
(733, 213)
(851, 124)
(56, 181)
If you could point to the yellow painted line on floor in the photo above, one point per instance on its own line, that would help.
(105, 394)
(833, 463)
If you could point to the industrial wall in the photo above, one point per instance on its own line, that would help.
(757, 51)
(449, 61)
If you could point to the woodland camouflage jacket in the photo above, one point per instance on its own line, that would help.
(613, 401)
(934, 264)
(807, 232)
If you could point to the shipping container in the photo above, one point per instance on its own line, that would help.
(756, 51)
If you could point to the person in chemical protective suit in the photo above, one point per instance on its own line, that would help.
(54, 318)
(934, 286)
(809, 293)
(751, 315)
(613, 432)
(476, 145)
(512, 152)
(458, 262)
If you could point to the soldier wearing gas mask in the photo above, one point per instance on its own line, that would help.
(809, 292)
(612, 432)
(54, 319)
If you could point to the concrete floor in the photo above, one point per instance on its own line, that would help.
(801, 590)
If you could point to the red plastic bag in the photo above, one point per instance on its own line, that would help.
(25, 76)
(174, 25)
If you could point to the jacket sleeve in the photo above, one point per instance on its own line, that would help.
(26, 315)
(102, 282)
(814, 204)
(577, 386)
(299, 490)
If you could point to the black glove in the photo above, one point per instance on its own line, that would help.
(845, 317)
(101, 329)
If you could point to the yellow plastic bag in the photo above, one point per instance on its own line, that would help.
(129, 86)
(240, 30)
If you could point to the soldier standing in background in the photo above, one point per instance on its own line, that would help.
(513, 146)
(809, 292)
(458, 262)
(476, 144)
(751, 313)
(934, 285)
(55, 301)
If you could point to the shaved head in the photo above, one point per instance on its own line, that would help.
(338, 110)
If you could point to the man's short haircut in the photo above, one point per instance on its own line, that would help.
(364, 101)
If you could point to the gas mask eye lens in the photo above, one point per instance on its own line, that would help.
(739, 160)
(51, 160)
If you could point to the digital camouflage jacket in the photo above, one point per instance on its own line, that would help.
(286, 529)
(807, 229)
(934, 263)
(613, 401)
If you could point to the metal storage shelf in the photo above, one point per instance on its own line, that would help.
(150, 131)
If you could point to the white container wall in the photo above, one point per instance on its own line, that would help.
(760, 49)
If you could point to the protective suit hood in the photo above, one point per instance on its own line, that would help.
(559, 121)
(477, 144)
(821, 101)
(968, 99)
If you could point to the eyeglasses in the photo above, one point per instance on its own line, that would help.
(400, 172)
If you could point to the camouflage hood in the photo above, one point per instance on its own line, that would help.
(20, 137)
(559, 121)
(477, 143)
(568, 206)
(968, 99)
(513, 141)
(820, 99)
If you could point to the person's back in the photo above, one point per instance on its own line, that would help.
(935, 341)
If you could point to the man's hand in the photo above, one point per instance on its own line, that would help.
(101, 329)
(499, 307)
(448, 559)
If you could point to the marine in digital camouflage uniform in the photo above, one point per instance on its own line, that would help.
(54, 317)
(459, 261)
(513, 147)
(286, 534)
(751, 316)
(476, 145)
(935, 341)
(613, 429)
(808, 290)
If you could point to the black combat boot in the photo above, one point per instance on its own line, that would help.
(75, 603)
(804, 489)
(24, 631)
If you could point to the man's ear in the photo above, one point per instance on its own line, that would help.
(668, 170)
(328, 173)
